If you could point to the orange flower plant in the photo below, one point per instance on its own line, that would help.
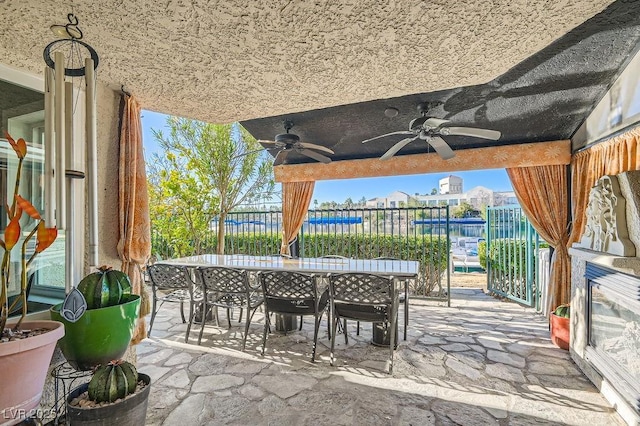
(44, 238)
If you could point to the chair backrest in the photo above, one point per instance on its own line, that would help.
(288, 285)
(165, 277)
(362, 288)
(223, 279)
(289, 292)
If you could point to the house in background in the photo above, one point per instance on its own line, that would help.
(450, 194)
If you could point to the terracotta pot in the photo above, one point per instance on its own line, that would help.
(559, 331)
(24, 365)
(100, 335)
(129, 411)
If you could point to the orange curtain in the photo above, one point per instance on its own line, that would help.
(134, 243)
(617, 155)
(543, 194)
(296, 197)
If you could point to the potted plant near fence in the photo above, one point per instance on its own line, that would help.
(559, 326)
(116, 394)
(26, 347)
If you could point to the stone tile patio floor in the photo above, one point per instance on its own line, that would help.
(481, 361)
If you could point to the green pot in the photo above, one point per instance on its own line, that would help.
(100, 335)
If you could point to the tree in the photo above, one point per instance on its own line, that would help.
(206, 171)
(465, 210)
(434, 191)
(348, 203)
(362, 202)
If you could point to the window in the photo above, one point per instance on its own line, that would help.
(22, 115)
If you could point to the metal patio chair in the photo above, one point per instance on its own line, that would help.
(404, 296)
(293, 293)
(170, 283)
(228, 288)
(364, 297)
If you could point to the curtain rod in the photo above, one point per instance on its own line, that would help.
(607, 137)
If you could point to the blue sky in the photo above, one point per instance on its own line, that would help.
(340, 190)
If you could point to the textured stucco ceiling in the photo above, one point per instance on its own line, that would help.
(545, 97)
(222, 61)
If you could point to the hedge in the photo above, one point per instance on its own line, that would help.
(430, 251)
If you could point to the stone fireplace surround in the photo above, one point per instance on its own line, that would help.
(581, 253)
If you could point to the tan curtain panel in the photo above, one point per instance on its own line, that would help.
(543, 195)
(134, 243)
(296, 197)
(617, 155)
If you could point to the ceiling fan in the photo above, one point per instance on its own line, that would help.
(285, 143)
(430, 130)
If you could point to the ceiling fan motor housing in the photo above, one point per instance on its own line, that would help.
(287, 138)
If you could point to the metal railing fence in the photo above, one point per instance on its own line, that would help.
(408, 233)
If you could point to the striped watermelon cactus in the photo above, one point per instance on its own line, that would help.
(563, 311)
(105, 287)
(113, 381)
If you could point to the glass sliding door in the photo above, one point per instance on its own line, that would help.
(22, 115)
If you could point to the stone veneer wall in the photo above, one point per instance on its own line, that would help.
(630, 188)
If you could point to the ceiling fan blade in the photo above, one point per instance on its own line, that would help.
(441, 147)
(262, 141)
(474, 132)
(316, 156)
(404, 132)
(281, 157)
(314, 146)
(435, 122)
(397, 147)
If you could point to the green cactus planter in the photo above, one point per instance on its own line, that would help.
(100, 335)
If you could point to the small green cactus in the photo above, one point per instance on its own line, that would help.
(113, 381)
(563, 311)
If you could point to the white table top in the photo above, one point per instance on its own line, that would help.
(396, 268)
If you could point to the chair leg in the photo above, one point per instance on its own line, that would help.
(215, 315)
(357, 328)
(315, 337)
(191, 317)
(240, 319)
(182, 311)
(229, 317)
(153, 315)
(203, 319)
(344, 331)
(246, 329)
(328, 323)
(334, 326)
(406, 307)
(267, 327)
(301, 319)
(392, 336)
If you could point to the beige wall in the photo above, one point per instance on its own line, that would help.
(108, 102)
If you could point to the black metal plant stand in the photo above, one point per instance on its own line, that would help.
(65, 378)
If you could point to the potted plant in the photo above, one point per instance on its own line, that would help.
(25, 347)
(99, 317)
(559, 326)
(116, 394)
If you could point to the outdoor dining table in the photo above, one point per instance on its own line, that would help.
(403, 270)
